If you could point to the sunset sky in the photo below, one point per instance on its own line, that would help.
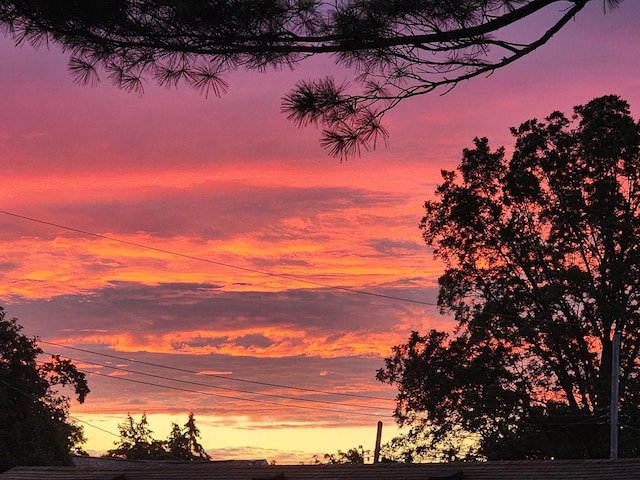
(206, 255)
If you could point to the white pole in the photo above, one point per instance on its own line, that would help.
(613, 411)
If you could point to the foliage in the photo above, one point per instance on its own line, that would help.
(397, 49)
(184, 442)
(353, 455)
(34, 417)
(404, 449)
(542, 256)
(137, 443)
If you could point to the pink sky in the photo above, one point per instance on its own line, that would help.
(231, 182)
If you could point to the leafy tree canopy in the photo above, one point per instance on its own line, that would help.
(397, 49)
(137, 443)
(34, 417)
(542, 256)
(353, 455)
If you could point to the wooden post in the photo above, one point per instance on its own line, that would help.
(376, 454)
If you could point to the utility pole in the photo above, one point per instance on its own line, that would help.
(615, 393)
(376, 454)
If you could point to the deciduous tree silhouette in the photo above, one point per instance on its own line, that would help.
(397, 49)
(35, 428)
(542, 256)
(356, 455)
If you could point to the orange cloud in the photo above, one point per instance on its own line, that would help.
(279, 341)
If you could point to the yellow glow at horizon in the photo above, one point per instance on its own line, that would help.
(283, 444)
(333, 247)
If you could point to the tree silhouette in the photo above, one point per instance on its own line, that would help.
(542, 256)
(35, 428)
(137, 442)
(397, 49)
(184, 442)
(356, 455)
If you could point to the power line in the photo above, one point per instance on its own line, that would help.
(269, 274)
(215, 375)
(180, 389)
(21, 392)
(93, 426)
(167, 453)
(285, 397)
(215, 262)
(37, 401)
